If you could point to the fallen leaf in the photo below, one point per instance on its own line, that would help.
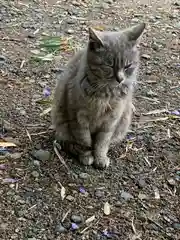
(7, 144)
(46, 111)
(35, 51)
(63, 192)
(90, 219)
(99, 28)
(107, 209)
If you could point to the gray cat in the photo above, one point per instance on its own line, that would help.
(92, 105)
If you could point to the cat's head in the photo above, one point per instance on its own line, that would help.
(113, 57)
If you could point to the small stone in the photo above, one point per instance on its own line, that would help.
(177, 25)
(32, 238)
(109, 1)
(22, 112)
(84, 175)
(150, 93)
(176, 226)
(15, 156)
(67, 224)
(135, 20)
(60, 229)
(158, 17)
(35, 174)
(142, 196)
(3, 226)
(105, 5)
(20, 213)
(171, 181)
(42, 155)
(77, 4)
(70, 198)
(141, 183)
(126, 196)
(99, 193)
(146, 56)
(76, 219)
(2, 59)
(36, 163)
(118, 204)
(177, 3)
(71, 21)
(70, 31)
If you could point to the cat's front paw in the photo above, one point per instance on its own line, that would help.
(86, 159)
(101, 162)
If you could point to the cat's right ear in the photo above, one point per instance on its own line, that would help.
(95, 41)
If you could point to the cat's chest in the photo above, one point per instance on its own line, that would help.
(100, 111)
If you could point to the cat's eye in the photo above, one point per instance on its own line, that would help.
(128, 66)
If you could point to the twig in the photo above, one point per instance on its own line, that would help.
(56, 146)
(146, 159)
(157, 111)
(157, 224)
(65, 216)
(32, 207)
(133, 227)
(29, 136)
(86, 228)
(11, 39)
(22, 63)
(40, 133)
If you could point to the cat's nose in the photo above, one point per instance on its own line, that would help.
(120, 77)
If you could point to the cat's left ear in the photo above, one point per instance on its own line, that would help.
(134, 33)
(95, 41)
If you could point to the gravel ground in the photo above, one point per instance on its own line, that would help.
(137, 197)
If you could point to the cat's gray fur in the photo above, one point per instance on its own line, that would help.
(92, 105)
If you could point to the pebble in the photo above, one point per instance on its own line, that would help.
(60, 229)
(77, 4)
(176, 226)
(146, 56)
(142, 196)
(36, 163)
(109, 1)
(71, 21)
(42, 155)
(84, 175)
(99, 193)
(3, 226)
(141, 183)
(126, 196)
(76, 219)
(67, 224)
(2, 59)
(171, 181)
(177, 25)
(15, 156)
(35, 174)
(70, 198)
(150, 93)
(70, 31)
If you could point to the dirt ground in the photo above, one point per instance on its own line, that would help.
(137, 197)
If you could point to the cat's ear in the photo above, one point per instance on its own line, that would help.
(134, 33)
(95, 41)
